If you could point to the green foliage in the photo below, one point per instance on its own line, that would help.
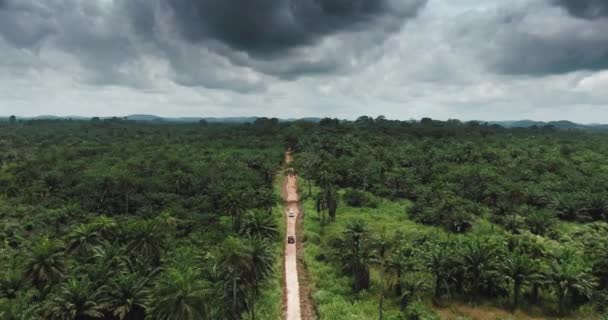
(453, 212)
(418, 311)
(116, 220)
(73, 300)
(181, 295)
(171, 221)
(357, 198)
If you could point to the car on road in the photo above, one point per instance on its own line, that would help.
(291, 214)
(291, 240)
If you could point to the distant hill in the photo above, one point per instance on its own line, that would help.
(154, 118)
(562, 124)
(144, 117)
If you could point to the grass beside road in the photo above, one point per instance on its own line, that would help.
(333, 295)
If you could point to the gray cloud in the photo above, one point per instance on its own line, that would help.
(536, 39)
(269, 27)
(468, 59)
(202, 40)
(588, 9)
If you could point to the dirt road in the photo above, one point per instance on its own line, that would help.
(292, 286)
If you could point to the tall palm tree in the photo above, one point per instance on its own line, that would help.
(128, 296)
(262, 259)
(400, 262)
(308, 162)
(568, 275)
(439, 262)
(259, 224)
(358, 253)
(519, 269)
(479, 261)
(74, 300)
(233, 204)
(181, 296)
(45, 263)
(235, 261)
(327, 199)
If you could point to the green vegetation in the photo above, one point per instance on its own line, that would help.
(117, 220)
(439, 214)
(112, 219)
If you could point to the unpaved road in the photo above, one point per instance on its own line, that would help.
(292, 286)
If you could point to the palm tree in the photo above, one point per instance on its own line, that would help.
(262, 259)
(568, 276)
(235, 261)
(259, 224)
(74, 300)
(597, 206)
(19, 308)
(400, 262)
(327, 198)
(479, 261)
(234, 205)
(109, 261)
(146, 241)
(181, 296)
(308, 163)
(166, 223)
(358, 254)
(11, 281)
(83, 240)
(540, 221)
(128, 296)
(567, 207)
(411, 290)
(439, 262)
(105, 227)
(126, 184)
(266, 199)
(45, 263)
(519, 269)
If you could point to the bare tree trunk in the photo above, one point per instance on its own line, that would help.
(234, 296)
(309, 188)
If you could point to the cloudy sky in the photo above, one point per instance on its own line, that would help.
(466, 59)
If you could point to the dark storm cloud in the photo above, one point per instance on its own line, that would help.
(262, 27)
(588, 9)
(273, 37)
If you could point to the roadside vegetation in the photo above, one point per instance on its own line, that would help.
(424, 220)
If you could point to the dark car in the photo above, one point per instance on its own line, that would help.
(291, 240)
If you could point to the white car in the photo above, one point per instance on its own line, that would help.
(291, 214)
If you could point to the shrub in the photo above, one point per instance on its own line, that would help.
(418, 311)
(360, 199)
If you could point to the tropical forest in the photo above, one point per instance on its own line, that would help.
(328, 219)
